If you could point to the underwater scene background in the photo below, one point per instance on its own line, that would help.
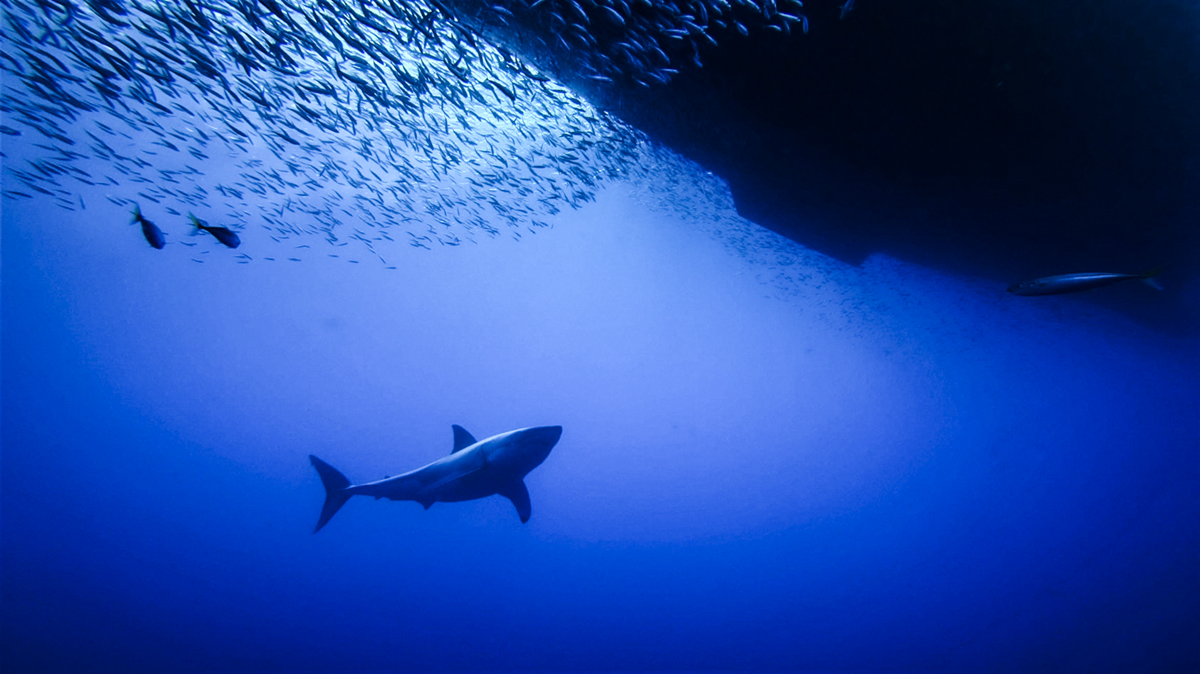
(771, 460)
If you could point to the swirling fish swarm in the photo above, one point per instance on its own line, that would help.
(369, 120)
(637, 42)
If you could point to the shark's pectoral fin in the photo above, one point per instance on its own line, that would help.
(519, 495)
(427, 504)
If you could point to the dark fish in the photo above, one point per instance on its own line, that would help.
(1071, 283)
(223, 234)
(153, 234)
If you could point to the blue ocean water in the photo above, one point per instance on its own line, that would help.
(886, 469)
(770, 460)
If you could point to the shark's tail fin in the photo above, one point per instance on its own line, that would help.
(1148, 277)
(335, 490)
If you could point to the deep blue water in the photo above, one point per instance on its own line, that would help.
(770, 460)
(882, 468)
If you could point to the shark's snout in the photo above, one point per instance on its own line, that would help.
(527, 449)
(547, 434)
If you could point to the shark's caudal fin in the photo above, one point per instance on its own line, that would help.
(1148, 277)
(335, 490)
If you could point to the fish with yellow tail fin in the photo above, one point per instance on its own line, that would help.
(223, 234)
(153, 234)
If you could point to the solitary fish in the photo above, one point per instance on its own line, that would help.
(497, 465)
(223, 234)
(1072, 283)
(151, 231)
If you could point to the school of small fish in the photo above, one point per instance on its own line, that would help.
(635, 42)
(367, 121)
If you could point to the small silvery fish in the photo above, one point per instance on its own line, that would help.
(223, 234)
(1072, 283)
(153, 234)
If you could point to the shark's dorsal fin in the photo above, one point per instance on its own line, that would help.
(462, 438)
(519, 495)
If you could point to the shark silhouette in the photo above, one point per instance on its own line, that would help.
(474, 469)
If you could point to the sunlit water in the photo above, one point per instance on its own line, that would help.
(769, 460)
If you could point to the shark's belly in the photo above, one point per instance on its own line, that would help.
(468, 487)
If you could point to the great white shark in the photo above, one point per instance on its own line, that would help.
(474, 469)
